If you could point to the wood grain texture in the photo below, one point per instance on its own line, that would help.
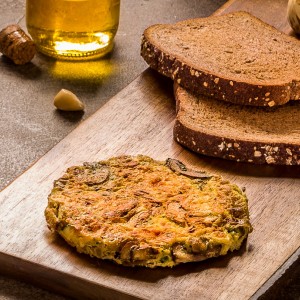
(140, 120)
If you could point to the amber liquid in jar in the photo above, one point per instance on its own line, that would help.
(73, 29)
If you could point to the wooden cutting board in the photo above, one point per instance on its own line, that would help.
(140, 120)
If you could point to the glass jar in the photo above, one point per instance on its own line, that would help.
(73, 29)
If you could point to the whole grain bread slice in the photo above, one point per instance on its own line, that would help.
(238, 132)
(234, 57)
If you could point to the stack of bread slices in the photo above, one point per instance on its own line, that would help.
(236, 84)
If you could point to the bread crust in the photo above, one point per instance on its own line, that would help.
(236, 149)
(204, 82)
(252, 149)
(137, 211)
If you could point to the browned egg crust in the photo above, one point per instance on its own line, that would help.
(138, 211)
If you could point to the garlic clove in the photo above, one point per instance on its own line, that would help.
(293, 13)
(67, 101)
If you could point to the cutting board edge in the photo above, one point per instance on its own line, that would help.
(64, 283)
(13, 263)
(280, 277)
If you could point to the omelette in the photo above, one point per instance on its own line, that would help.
(137, 211)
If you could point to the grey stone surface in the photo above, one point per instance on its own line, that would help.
(30, 125)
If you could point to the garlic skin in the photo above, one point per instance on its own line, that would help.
(293, 13)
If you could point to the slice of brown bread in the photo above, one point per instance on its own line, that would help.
(236, 132)
(234, 57)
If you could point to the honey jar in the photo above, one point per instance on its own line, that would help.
(73, 29)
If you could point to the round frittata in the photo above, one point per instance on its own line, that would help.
(137, 211)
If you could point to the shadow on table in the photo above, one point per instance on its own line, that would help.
(28, 71)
